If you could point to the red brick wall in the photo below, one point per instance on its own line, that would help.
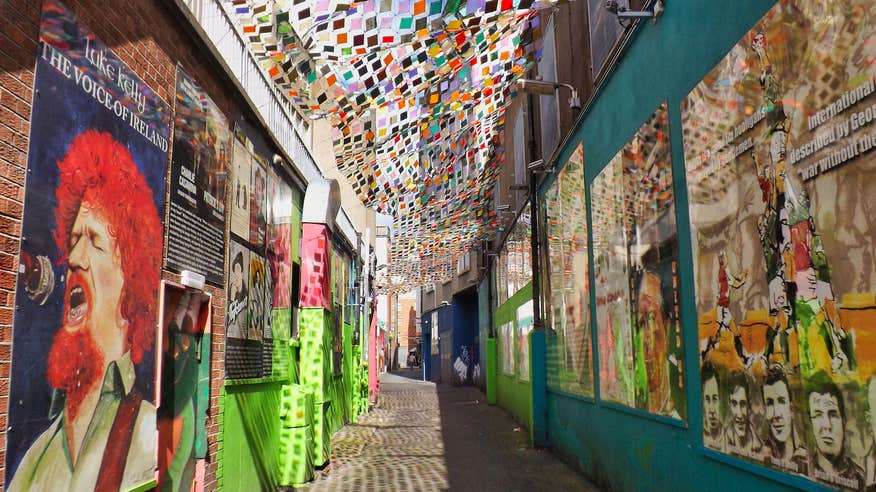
(150, 37)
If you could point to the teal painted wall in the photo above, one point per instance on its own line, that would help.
(483, 328)
(512, 393)
(622, 449)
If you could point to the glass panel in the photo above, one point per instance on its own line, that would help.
(567, 280)
(635, 243)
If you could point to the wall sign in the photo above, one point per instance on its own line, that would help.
(198, 174)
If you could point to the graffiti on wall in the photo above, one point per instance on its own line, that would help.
(82, 391)
(569, 357)
(635, 259)
(778, 147)
(467, 367)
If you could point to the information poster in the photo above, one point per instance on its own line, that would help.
(279, 248)
(86, 313)
(635, 241)
(258, 207)
(569, 357)
(525, 316)
(506, 339)
(779, 141)
(241, 177)
(259, 319)
(243, 351)
(434, 343)
(198, 174)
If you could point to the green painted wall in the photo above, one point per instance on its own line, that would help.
(628, 450)
(491, 375)
(512, 393)
(250, 422)
(349, 373)
(340, 408)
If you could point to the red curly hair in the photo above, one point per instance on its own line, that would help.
(101, 172)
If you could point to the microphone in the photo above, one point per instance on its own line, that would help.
(38, 277)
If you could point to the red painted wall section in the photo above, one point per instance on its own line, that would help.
(316, 266)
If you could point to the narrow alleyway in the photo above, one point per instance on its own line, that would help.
(425, 437)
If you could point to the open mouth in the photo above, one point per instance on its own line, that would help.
(78, 306)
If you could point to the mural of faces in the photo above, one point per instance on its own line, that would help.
(711, 407)
(827, 424)
(739, 411)
(783, 246)
(777, 410)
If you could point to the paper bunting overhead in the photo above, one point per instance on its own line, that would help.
(417, 92)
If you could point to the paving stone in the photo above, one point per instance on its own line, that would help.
(422, 437)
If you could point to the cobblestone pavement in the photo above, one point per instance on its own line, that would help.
(423, 437)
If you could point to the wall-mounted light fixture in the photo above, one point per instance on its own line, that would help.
(539, 167)
(625, 14)
(192, 279)
(548, 89)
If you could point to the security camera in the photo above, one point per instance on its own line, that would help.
(612, 6)
(658, 9)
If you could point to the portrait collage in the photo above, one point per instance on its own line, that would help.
(778, 142)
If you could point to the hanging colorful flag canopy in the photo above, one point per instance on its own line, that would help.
(417, 92)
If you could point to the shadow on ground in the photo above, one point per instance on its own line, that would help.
(426, 437)
(485, 449)
(414, 373)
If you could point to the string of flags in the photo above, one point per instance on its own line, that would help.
(416, 91)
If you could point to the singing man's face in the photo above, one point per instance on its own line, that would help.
(94, 283)
(777, 404)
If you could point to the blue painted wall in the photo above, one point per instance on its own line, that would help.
(427, 355)
(465, 332)
(432, 360)
(620, 449)
(445, 344)
(483, 329)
